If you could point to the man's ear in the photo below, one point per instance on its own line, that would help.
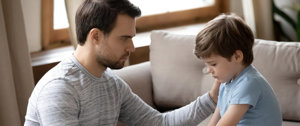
(95, 35)
(239, 56)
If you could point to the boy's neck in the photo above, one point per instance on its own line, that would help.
(239, 69)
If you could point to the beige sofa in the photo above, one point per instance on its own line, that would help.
(174, 76)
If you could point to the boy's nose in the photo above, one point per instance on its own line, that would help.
(210, 70)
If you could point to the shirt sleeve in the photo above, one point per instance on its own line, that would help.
(57, 104)
(246, 93)
(191, 114)
(135, 111)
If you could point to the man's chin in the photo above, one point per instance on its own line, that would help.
(116, 68)
(117, 65)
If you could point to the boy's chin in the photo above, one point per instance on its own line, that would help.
(221, 81)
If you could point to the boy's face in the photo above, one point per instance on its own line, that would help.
(221, 68)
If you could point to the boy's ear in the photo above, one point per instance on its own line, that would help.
(239, 56)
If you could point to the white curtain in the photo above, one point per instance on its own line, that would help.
(71, 8)
(16, 78)
(258, 15)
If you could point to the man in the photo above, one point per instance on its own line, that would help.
(82, 90)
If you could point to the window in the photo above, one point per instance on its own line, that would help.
(54, 34)
(147, 6)
(170, 13)
(60, 15)
(156, 14)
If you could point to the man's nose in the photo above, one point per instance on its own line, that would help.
(130, 47)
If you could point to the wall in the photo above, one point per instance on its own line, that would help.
(32, 18)
(236, 7)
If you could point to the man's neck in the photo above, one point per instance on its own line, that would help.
(88, 60)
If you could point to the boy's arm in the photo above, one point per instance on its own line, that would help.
(233, 115)
(215, 118)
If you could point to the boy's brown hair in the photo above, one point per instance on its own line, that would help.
(223, 36)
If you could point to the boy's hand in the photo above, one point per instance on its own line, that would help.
(214, 92)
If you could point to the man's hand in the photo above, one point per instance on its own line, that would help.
(214, 92)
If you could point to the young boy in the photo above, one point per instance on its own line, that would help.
(245, 97)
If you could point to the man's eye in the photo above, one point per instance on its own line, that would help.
(213, 64)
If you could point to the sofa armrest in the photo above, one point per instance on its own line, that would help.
(139, 78)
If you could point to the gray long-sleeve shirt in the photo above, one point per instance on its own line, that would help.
(70, 95)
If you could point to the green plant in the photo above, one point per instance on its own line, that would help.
(295, 24)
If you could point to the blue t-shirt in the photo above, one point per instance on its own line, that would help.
(250, 87)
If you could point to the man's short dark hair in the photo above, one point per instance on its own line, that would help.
(101, 14)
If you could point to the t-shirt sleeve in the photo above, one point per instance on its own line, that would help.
(136, 112)
(247, 92)
(57, 104)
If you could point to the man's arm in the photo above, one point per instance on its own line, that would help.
(214, 92)
(57, 105)
(193, 113)
(233, 115)
(136, 112)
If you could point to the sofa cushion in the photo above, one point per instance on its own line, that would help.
(279, 62)
(138, 77)
(177, 74)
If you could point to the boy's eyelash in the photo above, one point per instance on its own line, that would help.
(211, 64)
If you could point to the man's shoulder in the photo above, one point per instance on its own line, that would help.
(63, 73)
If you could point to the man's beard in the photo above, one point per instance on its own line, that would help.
(112, 64)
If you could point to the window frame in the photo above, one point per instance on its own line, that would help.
(177, 18)
(51, 37)
(144, 23)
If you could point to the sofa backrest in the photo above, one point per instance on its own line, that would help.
(177, 74)
(179, 77)
(279, 63)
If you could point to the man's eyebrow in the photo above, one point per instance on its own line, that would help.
(127, 36)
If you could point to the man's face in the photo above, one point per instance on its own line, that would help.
(117, 45)
(221, 68)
